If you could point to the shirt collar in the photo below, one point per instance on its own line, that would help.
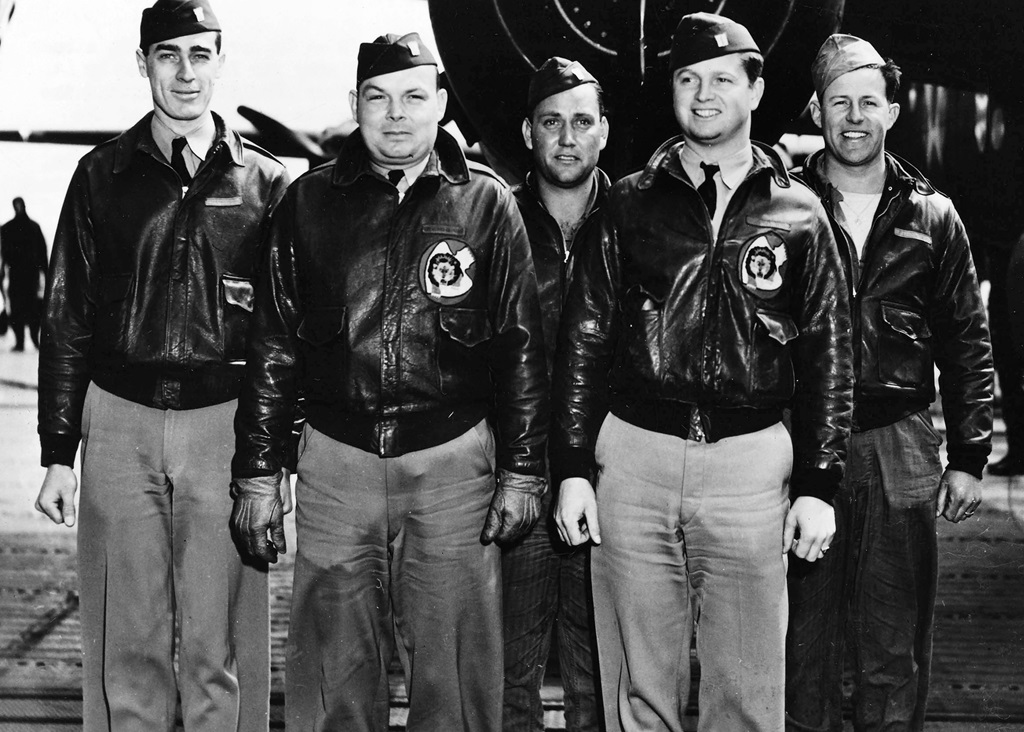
(411, 174)
(200, 136)
(732, 168)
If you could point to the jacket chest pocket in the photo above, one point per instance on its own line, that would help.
(236, 309)
(228, 221)
(325, 348)
(462, 345)
(769, 354)
(904, 347)
(113, 317)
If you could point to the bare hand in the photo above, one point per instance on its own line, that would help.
(959, 496)
(286, 492)
(57, 496)
(576, 512)
(810, 526)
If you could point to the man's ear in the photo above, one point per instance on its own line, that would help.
(757, 89)
(140, 60)
(894, 113)
(527, 134)
(816, 111)
(442, 102)
(353, 102)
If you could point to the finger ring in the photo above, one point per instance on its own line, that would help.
(824, 549)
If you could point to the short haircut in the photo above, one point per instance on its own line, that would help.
(892, 75)
(217, 42)
(753, 64)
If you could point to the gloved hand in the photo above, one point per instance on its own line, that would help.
(258, 512)
(515, 507)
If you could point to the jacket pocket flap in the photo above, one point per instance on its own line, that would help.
(912, 325)
(470, 327)
(115, 287)
(322, 326)
(238, 291)
(780, 327)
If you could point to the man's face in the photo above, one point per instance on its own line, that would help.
(398, 114)
(713, 100)
(567, 134)
(182, 73)
(854, 116)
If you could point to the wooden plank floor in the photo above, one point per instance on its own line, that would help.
(978, 674)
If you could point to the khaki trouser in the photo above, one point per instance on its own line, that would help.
(389, 554)
(154, 543)
(692, 538)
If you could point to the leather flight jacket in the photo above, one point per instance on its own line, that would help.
(150, 288)
(552, 255)
(916, 304)
(679, 332)
(400, 324)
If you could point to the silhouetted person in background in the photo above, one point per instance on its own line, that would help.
(23, 252)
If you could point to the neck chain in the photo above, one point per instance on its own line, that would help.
(858, 214)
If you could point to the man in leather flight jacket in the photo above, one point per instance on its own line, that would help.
(400, 302)
(544, 582)
(916, 305)
(141, 360)
(695, 316)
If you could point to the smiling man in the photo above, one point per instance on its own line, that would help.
(142, 355)
(400, 302)
(546, 581)
(915, 305)
(705, 300)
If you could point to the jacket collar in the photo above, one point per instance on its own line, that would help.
(603, 184)
(666, 160)
(140, 138)
(446, 160)
(899, 174)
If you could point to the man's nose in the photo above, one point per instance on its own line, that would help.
(185, 70)
(396, 110)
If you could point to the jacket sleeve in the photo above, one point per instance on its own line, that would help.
(516, 353)
(823, 363)
(67, 327)
(586, 343)
(267, 403)
(963, 351)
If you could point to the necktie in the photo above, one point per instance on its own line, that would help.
(707, 189)
(398, 180)
(178, 160)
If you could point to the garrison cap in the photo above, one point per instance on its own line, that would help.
(703, 36)
(841, 54)
(390, 53)
(556, 75)
(174, 18)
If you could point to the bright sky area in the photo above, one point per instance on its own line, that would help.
(70, 65)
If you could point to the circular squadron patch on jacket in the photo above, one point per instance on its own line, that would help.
(762, 264)
(447, 269)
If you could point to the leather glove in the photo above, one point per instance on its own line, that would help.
(258, 512)
(515, 507)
